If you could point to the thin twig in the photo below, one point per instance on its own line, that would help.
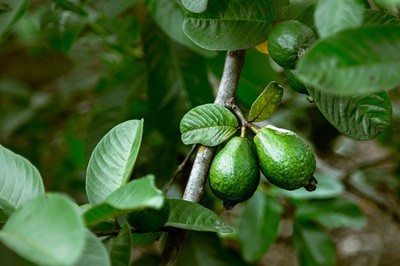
(195, 187)
(382, 205)
(181, 168)
(133, 231)
(234, 108)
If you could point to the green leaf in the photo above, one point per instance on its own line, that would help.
(230, 24)
(205, 249)
(266, 103)
(139, 194)
(145, 238)
(377, 17)
(332, 213)
(195, 6)
(327, 187)
(359, 117)
(120, 252)
(208, 124)
(20, 181)
(307, 16)
(256, 72)
(73, 6)
(259, 224)
(347, 14)
(388, 4)
(112, 161)
(192, 216)
(46, 232)
(12, 11)
(356, 61)
(111, 9)
(313, 245)
(282, 9)
(169, 16)
(3, 217)
(60, 28)
(95, 253)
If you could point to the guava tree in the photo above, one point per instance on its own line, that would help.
(209, 127)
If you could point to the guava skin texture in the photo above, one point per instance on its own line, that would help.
(289, 40)
(234, 173)
(286, 160)
(149, 219)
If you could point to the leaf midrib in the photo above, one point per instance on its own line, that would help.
(230, 20)
(204, 128)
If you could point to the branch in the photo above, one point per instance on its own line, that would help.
(195, 186)
(234, 108)
(382, 205)
(180, 169)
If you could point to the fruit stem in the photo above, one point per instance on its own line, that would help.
(253, 128)
(234, 108)
(243, 132)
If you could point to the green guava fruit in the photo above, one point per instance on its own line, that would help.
(234, 173)
(286, 160)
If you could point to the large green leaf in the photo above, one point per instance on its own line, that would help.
(230, 24)
(359, 117)
(144, 239)
(327, 187)
(119, 98)
(120, 251)
(11, 12)
(192, 216)
(205, 249)
(388, 4)
(355, 61)
(195, 6)
(208, 124)
(46, 231)
(346, 14)
(313, 245)
(20, 181)
(307, 16)
(169, 16)
(112, 161)
(282, 9)
(139, 194)
(95, 253)
(266, 103)
(332, 213)
(259, 224)
(177, 81)
(3, 217)
(377, 17)
(298, 6)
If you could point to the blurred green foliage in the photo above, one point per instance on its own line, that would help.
(71, 70)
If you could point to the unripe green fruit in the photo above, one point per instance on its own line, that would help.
(234, 174)
(149, 219)
(289, 40)
(286, 160)
(295, 83)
